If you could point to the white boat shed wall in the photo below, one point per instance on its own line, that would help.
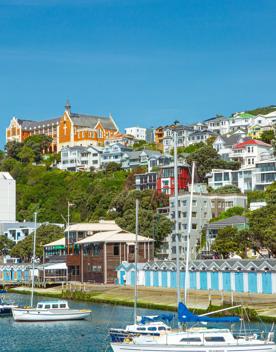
(256, 276)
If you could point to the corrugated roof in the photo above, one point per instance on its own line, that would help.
(91, 121)
(251, 142)
(94, 227)
(114, 236)
(30, 124)
(233, 220)
(60, 242)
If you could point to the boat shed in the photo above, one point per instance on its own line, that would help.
(234, 275)
(15, 273)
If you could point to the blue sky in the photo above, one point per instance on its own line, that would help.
(147, 62)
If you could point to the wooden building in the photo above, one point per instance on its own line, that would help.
(96, 257)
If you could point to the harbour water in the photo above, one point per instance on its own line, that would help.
(75, 336)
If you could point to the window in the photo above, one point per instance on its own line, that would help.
(191, 339)
(141, 329)
(184, 214)
(214, 339)
(55, 306)
(116, 249)
(62, 305)
(40, 306)
(194, 226)
(194, 214)
(184, 203)
(152, 328)
(47, 306)
(161, 328)
(131, 249)
(194, 203)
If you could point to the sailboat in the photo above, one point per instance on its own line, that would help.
(47, 310)
(145, 325)
(196, 338)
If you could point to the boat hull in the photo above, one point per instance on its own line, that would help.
(124, 347)
(119, 335)
(42, 315)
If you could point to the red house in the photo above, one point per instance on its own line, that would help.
(165, 179)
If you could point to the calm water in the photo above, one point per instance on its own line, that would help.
(75, 336)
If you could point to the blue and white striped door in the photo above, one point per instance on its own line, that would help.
(226, 280)
(267, 283)
(147, 278)
(155, 278)
(203, 280)
(193, 280)
(214, 280)
(164, 277)
(252, 282)
(173, 279)
(239, 286)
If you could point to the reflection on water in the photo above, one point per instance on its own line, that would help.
(73, 336)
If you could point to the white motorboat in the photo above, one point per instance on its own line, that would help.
(150, 328)
(197, 340)
(50, 311)
(6, 308)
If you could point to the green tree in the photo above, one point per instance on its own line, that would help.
(112, 167)
(228, 213)
(189, 149)
(13, 149)
(150, 223)
(39, 144)
(267, 136)
(262, 229)
(2, 155)
(5, 245)
(228, 242)
(44, 234)
(26, 155)
(206, 159)
(226, 189)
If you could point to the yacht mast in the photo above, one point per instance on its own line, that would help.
(188, 236)
(176, 218)
(136, 260)
(33, 268)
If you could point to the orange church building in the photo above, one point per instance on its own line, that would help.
(70, 129)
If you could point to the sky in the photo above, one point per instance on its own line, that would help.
(147, 62)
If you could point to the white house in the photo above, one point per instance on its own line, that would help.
(137, 132)
(200, 136)
(7, 197)
(80, 158)
(250, 152)
(114, 153)
(240, 120)
(219, 124)
(183, 133)
(224, 144)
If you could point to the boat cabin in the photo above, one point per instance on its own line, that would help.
(149, 328)
(52, 305)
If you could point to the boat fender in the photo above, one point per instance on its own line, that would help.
(127, 340)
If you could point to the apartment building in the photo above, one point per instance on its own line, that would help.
(222, 202)
(7, 198)
(138, 133)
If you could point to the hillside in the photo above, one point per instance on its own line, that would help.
(262, 110)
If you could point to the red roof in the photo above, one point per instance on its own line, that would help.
(251, 142)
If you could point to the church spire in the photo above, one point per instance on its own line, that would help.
(68, 106)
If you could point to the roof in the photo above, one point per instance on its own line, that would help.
(56, 266)
(29, 124)
(243, 115)
(233, 139)
(203, 132)
(114, 236)
(60, 242)
(251, 142)
(91, 121)
(5, 176)
(94, 227)
(233, 220)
